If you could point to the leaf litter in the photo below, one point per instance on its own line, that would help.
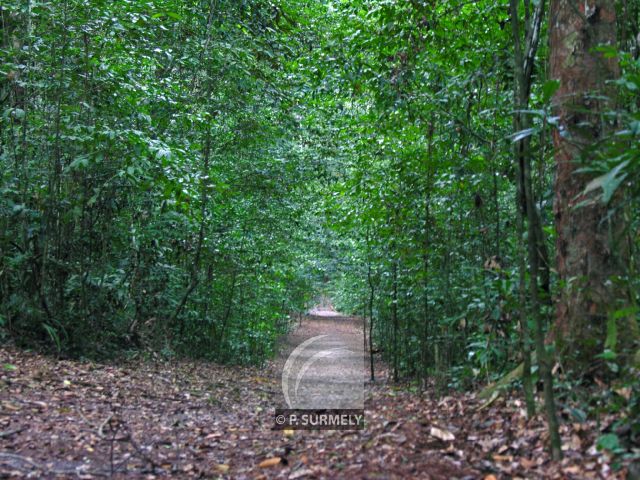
(191, 419)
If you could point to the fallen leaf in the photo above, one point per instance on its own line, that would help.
(301, 474)
(526, 463)
(270, 462)
(576, 442)
(502, 458)
(574, 469)
(222, 468)
(10, 406)
(624, 392)
(441, 434)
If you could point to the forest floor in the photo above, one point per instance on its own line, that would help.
(186, 419)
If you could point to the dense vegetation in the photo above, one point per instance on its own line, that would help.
(154, 177)
(182, 176)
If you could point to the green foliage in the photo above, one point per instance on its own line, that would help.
(151, 173)
(425, 190)
(618, 161)
(610, 442)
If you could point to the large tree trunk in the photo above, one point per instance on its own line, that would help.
(588, 255)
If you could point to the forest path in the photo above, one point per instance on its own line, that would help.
(186, 419)
(330, 347)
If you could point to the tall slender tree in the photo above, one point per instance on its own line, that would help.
(523, 61)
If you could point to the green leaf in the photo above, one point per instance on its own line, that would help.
(18, 113)
(625, 312)
(609, 182)
(549, 89)
(607, 355)
(612, 334)
(609, 441)
(53, 334)
(516, 137)
(578, 414)
(608, 51)
(79, 163)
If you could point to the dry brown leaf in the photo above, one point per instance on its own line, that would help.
(576, 442)
(10, 406)
(222, 467)
(624, 392)
(573, 469)
(502, 458)
(442, 434)
(270, 462)
(526, 463)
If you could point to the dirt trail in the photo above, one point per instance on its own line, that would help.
(334, 360)
(186, 419)
(67, 419)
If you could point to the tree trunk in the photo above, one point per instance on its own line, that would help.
(587, 249)
(524, 55)
(394, 315)
(371, 298)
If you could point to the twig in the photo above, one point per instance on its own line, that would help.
(8, 433)
(140, 451)
(19, 458)
(87, 421)
(103, 424)
(38, 466)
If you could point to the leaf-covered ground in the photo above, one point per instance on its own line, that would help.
(67, 419)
